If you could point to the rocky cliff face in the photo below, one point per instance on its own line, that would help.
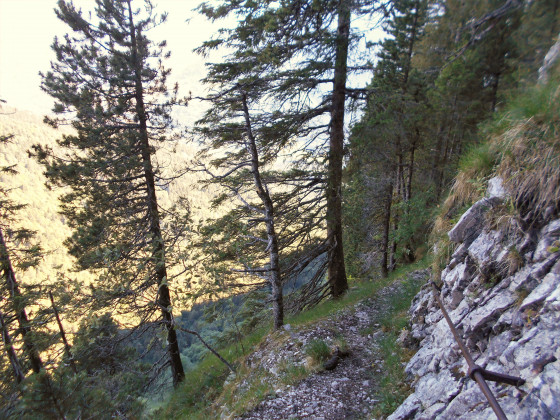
(502, 291)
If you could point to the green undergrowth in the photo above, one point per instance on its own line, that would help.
(204, 383)
(358, 290)
(318, 350)
(206, 389)
(520, 145)
(393, 387)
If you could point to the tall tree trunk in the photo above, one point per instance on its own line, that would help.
(336, 269)
(67, 347)
(19, 306)
(403, 187)
(495, 86)
(12, 356)
(399, 182)
(386, 230)
(264, 195)
(158, 249)
(411, 167)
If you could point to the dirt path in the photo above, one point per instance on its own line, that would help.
(347, 392)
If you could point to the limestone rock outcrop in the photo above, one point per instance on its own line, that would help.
(550, 60)
(502, 291)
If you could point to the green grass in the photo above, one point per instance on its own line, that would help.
(318, 350)
(256, 388)
(359, 289)
(479, 160)
(393, 387)
(204, 385)
(396, 319)
(291, 374)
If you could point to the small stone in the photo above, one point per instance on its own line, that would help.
(544, 290)
(496, 188)
(471, 222)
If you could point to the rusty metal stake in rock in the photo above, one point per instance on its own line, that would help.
(478, 373)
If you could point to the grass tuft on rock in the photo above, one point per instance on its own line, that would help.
(393, 385)
(521, 146)
(318, 350)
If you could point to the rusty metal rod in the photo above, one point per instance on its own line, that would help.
(476, 372)
(501, 377)
(489, 396)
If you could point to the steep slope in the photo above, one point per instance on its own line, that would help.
(28, 187)
(501, 277)
(41, 214)
(502, 291)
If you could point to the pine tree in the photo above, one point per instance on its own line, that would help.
(230, 128)
(16, 244)
(385, 142)
(106, 380)
(299, 52)
(18, 252)
(109, 82)
(441, 72)
(472, 69)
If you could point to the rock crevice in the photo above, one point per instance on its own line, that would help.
(502, 292)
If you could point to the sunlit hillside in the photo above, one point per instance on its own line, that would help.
(41, 214)
(28, 187)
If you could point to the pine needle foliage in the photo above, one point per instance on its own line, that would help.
(109, 83)
(521, 147)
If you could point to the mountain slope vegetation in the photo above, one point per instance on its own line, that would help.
(288, 220)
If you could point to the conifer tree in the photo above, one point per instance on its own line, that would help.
(16, 247)
(471, 72)
(298, 51)
(385, 142)
(18, 252)
(105, 381)
(229, 127)
(14, 301)
(441, 73)
(109, 83)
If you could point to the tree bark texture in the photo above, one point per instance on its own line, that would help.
(386, 230)
(158, 249)
(19, 306)
(264, 195)
(336, 269)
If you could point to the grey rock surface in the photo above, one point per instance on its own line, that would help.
(550, 60)
(510, 321)
(471, 224)
(496, 188)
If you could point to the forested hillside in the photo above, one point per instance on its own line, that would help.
(41, 212)
(28, 187)
(314, 175)
(447, 67)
